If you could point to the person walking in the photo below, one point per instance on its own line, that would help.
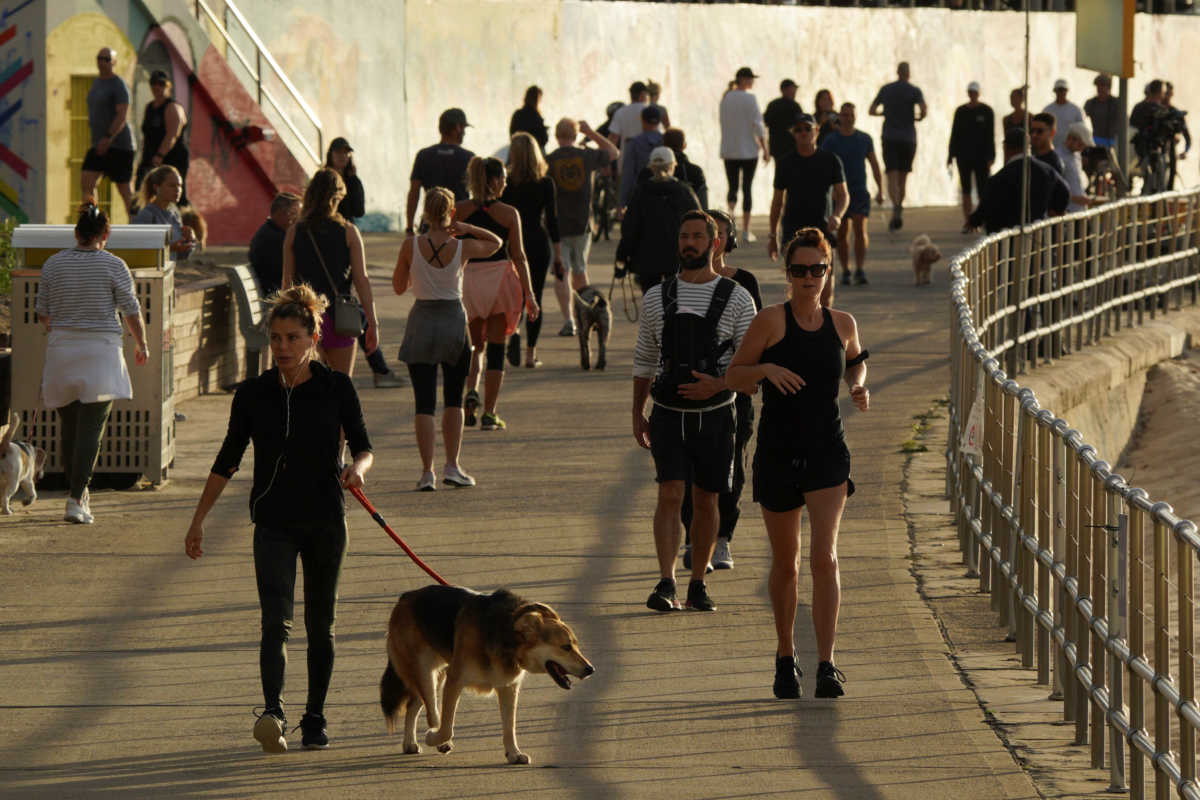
(627, 120)
(1065, 114)
(742, 137)
(1104, 111)
(825, 113)
(799, 351)
(679, 363)
(895, 103)
(436, 332)
(635, 155)
(111, 153)
(326, 252)
(1042, 133)
(779, 117)
(1015, 118)
(164, 134)
(972, 147)
(160, 193)
(266, 246)
(1000, 204)
(295, 414)
(528, 119)
(689, 173)
(531, 192)
(855, 149)
(493, 290)
(648, 248)
(81, 291)
(653, 94)
(442, 164)
(805, 184)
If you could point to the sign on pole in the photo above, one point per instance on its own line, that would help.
(1104, 36)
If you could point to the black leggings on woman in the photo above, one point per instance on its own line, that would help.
(82, 426)
(454, 380)
(321, 547)
(539, 265)
(746, 167)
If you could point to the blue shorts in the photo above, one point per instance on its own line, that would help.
(860, 203)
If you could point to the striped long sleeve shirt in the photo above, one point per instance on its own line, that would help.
(84, 289)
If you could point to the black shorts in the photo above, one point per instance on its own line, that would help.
(782, 475)
(967, 170)
(860, 204)
(898, 156)
(117, 165)
(699, 443)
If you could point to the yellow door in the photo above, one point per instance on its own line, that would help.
(81, 140)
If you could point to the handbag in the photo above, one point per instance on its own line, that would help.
(349, 318)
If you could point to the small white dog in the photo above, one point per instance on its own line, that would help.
(20, 465)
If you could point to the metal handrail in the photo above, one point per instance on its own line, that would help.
(1048, 528)
(263, 56)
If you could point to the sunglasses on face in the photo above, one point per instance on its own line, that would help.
(800, 270)
(103, 58)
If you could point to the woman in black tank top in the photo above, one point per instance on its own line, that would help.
(799, 351)
(164, 134)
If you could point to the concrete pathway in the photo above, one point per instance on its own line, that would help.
(128, 670)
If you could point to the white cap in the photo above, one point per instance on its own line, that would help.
(973, 86)
(662, 155)
(1080, 131)
(1061, 83)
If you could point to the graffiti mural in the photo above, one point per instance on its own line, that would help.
(16, 129)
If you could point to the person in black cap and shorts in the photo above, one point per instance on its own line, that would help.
(779, 117)
(443, 164)
(803, 182)
(111, 153)
(799, 351)
(742, 137)
(895, 103)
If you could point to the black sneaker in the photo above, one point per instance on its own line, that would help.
(313, 736)
(829, 681)
(269, 730)
(687, 559)
(860, 278)
(513, 351)
(846, 277)
(698, 599)
(663, 596)
(787, 678)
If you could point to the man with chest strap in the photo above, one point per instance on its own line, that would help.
(691, 325)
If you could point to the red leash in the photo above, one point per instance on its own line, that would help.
(375, 515)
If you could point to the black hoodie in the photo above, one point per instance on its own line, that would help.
(650, 230)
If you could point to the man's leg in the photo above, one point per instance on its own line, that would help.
(126, 191)
(843, 249)
(87, 183)
(705, 520)
(668, 531)
(861, 241)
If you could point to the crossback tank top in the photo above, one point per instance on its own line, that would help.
(432, 282)
(481, 218)
(811, 415)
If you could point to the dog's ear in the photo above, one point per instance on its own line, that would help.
(535, 608)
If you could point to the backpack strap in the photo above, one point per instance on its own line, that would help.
(716, 308)
(670, 293)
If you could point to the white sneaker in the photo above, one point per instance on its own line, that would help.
(749, 236)
(77, 514)
(722, 558)
(453, 476)
(428, 482)
(86, 501)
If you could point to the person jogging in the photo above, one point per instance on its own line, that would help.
(895, 103)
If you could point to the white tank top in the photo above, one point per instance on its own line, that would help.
(430, 282)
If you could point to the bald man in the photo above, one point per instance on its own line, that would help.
(112, 147)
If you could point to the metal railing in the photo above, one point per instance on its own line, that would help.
(1084, 570)
(312, 140)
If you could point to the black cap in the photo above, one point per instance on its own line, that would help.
(786, 83)
(1014, 138)
(340, 143)
(804, 119)
(451, 117)
(637, 87)
(158, 76)
(745, 72)
(652, 114)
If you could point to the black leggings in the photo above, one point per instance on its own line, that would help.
(746, 167)
(727, 502)
(454, 379)
(539, 265)
(82, 426)
(321, 548)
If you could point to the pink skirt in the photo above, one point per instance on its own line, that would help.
(490, 288)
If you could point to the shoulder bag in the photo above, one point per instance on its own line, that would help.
(348, 317)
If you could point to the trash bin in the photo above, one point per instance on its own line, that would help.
(140, 437)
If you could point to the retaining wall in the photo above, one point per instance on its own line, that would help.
(210, 351)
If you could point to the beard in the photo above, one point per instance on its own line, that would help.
(699, 261)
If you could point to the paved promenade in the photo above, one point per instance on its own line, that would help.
(127, 670)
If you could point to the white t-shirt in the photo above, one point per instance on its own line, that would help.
(741, 125)
(1066, 114)
(1073, 174)
(627, 122)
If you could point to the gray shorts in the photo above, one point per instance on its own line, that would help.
(575, 252)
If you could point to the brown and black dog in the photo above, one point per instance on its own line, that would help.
(443, 639)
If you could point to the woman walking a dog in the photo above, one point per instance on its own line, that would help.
(493, 289)
(799, 350)
(80, 293)
(294, 413)
(436, 332)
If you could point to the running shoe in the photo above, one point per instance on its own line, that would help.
(787, 678)
(513, 351)
(749, 236)
(663, 596)
(722, 558)
(313, 735)
(687, 559)
(76, 513)
(897, 220)
(268, 730)
(428, 482)
(698, 599)
(537, 362)
(453, 476)
(568, 329)
(491, 422)
(860, 278)
(845, 277)
(829, 681)
(470, 406)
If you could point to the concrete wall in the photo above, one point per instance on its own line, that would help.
(210, 352)
(380, 72)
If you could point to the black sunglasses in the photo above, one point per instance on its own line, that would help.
(802, 129)
(103, 58)
(800, 270)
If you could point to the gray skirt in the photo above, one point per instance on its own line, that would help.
(436, 333)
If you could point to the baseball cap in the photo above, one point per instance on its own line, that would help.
(340, 143)
(662, 155)
(973, 86)
(1081, 132)
(745, 72)
(1061, 83)
(451, 117)
(158, 76)
(1015, 138)
(803, 119)
(1103, 79)
(652, 115)
(637, 87)
(787, 83)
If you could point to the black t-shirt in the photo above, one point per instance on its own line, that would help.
(1053, 160)
(779, 117)
(443, 165)
(745, 278)
(807, 181)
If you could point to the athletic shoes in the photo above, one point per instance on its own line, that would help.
(722, 558)
(269, 731)
(663, 596)
(787, 678)
(491, 422)
(77, 513)
(845, 277)
(897, 220)
(513, 351)
(568, 329)
(313, 736)
(428, 482)
(860, 278)
(749, 236)
(687, 559)
(698, 599)
(470, 406)
(829, 681)
(453, 476)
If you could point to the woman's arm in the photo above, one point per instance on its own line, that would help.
(746, 369)
(355, 203)
(175, 118)
(289, 257)
(516, 252)
(362, 285)
(356, 436)
(482, 244)
(208, 498)
(856, 375)
(402, 275)
(137, 328)
(237, 438)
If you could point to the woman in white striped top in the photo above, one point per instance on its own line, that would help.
(80, 293)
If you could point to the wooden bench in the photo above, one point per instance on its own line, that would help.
(251, 314)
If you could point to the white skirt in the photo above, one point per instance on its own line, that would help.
(86, 366)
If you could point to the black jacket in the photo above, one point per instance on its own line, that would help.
(686, 171)
(1000, 203)
(354, 204)
(973, 134)
(650, 230)
(266, 257)
(530, 121)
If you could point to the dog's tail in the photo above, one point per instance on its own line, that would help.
(393, 696)
(14, 424)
